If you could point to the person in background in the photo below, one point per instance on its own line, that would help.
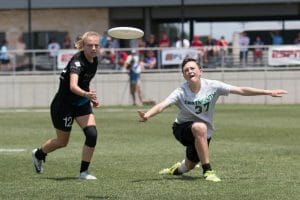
(5, 57)
(276, 38)
(20, 51)
(297, 39)
(197, 43)
(53, 47)
(179, 42)
(150, 60)
(74, 101)
(135, 67)
(222, 45)
(193, 127)
(103, 40)
(258, 50)
(164, 40)
(67, 43)
(151, 41)
(209, 49)
(244, 43)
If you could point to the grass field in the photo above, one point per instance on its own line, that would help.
(255, 151)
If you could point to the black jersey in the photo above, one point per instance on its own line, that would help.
(85, 70)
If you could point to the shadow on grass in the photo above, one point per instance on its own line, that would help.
(177, 178)
(98, 197)
(61, 178)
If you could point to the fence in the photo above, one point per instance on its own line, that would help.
(32, 86)
(32, 61)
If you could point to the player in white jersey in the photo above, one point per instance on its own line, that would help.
(193, 126)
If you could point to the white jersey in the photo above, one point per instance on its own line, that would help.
(198, 106)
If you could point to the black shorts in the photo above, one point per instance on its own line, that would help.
(63, 113)
(183, 133)
(4, 61)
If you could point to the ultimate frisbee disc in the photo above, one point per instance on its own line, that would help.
(125, 32)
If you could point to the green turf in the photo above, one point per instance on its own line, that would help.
(255, 151)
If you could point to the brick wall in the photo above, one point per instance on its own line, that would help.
(74, 21)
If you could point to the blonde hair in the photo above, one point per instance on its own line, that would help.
(80, 39)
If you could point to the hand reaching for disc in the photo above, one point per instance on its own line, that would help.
(142, 116)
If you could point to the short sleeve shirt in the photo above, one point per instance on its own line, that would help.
(85, 70)
(198, 106)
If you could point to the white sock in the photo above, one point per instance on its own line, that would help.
(182, 168)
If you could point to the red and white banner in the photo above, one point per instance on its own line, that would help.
(284, 55)
(64, 56)
(175, 56)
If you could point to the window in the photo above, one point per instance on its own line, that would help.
(40, 39)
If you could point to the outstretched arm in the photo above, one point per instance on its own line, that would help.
(158, 108)
(250, 91)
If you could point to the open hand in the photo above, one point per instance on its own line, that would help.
(278, 93)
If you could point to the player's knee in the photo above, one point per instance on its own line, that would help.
(90, 136)
(199, 129)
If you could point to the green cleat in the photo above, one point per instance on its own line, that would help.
(211, 176)
(171, 170)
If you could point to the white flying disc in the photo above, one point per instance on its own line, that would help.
(125, 32)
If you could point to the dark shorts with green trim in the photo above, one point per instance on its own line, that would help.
(183, 133)
(63, 113)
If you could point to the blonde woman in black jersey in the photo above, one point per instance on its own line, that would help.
(74, 101)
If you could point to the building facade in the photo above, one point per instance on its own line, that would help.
(43, 19)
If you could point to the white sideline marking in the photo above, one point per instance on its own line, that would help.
(24, 110)
(12, 150)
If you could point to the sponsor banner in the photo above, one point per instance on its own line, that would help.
(64, 56)
(284, 55)
(175, 56)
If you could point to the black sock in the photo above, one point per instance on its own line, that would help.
(206, 167)
(84, 166)
(39, 154)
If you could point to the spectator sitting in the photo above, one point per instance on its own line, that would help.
(209, 49)
(222, 45)
(150, 60)
(297, 39)
(184, 41)
(222, 49)
(141, 45)
(151, 41)
(67, 43)
(276, 38)
(122, 56)
(53, 48)
(196, 42)
(164, 41)
(258, 50)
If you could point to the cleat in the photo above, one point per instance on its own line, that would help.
(36, 162)
(86, 176)
(171, 170)
(211, 176)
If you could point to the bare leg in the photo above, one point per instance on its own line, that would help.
(139, 92)
(61, 140)
(132, 92)
(199, 131)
